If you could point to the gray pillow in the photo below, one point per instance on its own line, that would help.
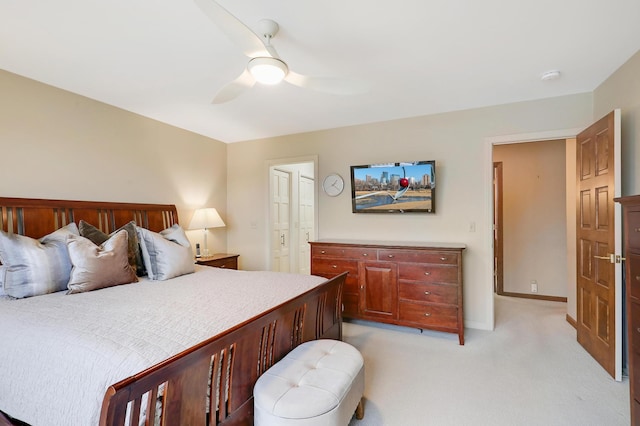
(166, 254)
(98, 237)
(96, 267)
(33, 267)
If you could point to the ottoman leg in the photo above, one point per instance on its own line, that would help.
(360, 409)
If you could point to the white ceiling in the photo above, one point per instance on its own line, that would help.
(166, 60)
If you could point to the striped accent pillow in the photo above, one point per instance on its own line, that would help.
(34, 267)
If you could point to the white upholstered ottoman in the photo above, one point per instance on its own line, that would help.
(320, 382)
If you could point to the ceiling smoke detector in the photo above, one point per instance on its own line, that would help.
(550, 75)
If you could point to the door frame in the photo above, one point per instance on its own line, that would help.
(498, 223)
(267, 199)
(489, 142)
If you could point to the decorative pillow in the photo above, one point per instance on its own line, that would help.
(96, 267)
(33, 267)
(166, 254)
(98, 237)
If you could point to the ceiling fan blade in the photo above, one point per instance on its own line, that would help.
(235, 88)
(248, 41)
(332, 85)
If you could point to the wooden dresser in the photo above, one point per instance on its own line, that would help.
(408, 284)
(631, 224)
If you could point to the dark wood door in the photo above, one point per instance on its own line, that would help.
(598, 298)
(378, 290)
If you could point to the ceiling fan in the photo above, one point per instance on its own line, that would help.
(265, 65)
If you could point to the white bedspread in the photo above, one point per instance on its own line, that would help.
(59, 353)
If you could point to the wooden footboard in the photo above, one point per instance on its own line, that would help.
(225, 366)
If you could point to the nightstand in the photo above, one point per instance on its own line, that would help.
(219, 260)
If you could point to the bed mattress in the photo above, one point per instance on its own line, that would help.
(61, 352)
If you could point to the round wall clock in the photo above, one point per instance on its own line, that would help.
(333, 185)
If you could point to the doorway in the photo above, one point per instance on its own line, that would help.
(585, 162)
(530, 248)
(292, 213)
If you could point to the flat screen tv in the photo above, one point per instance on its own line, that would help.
(394, 187)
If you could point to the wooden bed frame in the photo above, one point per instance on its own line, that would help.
(231, 361)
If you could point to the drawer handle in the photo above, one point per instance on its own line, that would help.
(427, 273)
(334, 266)
(223, 266)
(390, 256)
(637, 230)
(365, 254)
(322, 252)
(443, 258)
(427, 314)
(638, 329)
(637, 277)
(427, 293)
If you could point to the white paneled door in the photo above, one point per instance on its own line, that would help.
(306, 205)
(280, 220)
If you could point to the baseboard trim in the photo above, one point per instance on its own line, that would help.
(572, 322)
(536, 296)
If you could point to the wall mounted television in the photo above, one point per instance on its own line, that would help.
(394, 187)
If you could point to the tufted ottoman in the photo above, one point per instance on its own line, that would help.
(318, 383)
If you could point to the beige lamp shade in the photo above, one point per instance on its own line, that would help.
(206, 218)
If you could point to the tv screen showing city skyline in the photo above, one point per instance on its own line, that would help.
(393, 187)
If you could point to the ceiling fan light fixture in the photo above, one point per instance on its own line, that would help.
(268, 70)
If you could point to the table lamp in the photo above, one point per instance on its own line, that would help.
(204, 219)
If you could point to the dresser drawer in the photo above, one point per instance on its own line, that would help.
(635, 380)
(633, 229)
(633, 280)
(428, 293)
(344, 252)
(428, 273)
(417, 256)
(634, 327)
(635, 410)
(429, 315)
(350, 282)
(333, 266)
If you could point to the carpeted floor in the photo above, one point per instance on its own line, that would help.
(529, 371)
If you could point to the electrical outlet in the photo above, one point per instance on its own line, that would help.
(534, 286)
(472, 227)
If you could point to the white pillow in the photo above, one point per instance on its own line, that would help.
(96, 267)
(166, 254)
(34, 267)
(2, 273)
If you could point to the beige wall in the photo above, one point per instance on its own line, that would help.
(457, 141)
(534, 228)
(55, 144)
(622, 90)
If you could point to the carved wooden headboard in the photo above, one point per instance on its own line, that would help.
(36, 218)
